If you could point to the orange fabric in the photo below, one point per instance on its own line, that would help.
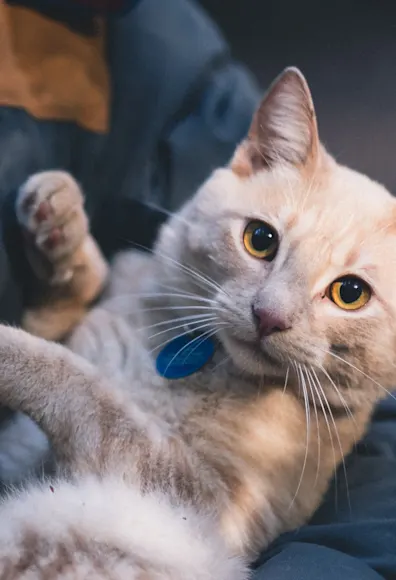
(52, 72)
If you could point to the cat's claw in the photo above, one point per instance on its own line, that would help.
(50, 210)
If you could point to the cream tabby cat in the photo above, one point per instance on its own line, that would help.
(283, 262)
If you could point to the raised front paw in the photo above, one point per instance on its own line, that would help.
(49, 208)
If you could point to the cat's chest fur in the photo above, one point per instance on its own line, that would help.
(241, 428)
(255, 462)
(120, 346)
(124, 336)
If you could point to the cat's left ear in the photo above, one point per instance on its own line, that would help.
(283, 129)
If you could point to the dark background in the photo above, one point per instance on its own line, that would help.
(347, 51)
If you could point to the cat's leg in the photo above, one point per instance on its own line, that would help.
(88, 423)
(61, 252)
(93, 426)
(68, 273)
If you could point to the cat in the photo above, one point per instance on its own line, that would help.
(202, 406)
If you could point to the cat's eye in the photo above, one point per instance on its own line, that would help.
(261, 240)
(349, 293)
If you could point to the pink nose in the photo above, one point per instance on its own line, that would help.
(267, 322)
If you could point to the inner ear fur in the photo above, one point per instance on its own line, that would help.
(283, 129)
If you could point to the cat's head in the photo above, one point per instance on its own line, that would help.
(295, 254)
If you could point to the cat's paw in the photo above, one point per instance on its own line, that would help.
(50, 210)
(49, 207)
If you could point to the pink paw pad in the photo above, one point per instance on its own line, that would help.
(43, 212)
(54, 238)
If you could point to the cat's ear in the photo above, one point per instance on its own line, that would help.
(283, 129)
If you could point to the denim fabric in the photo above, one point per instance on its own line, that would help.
(179, 106)
(180, 103)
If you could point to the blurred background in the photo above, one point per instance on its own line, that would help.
(346, 49)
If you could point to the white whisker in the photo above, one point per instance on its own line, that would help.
(340, 447)
(182, 295)
(207, 319)
(337, 390)
(186, 319)
(315, 385)
(220, 363)
(204, 336)
(310, 382)
(359, 371)
(170, 214)
(187, 293)
(190, 307)
(300, 375)
(286, 379)
(218, 325)
(193, 272)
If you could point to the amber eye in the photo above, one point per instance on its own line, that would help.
(349, 293)
(261, 240)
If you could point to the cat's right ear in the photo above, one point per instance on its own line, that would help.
(283, 130)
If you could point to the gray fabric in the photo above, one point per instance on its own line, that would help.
(179, 106)
(161, 55)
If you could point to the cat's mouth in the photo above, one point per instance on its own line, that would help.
(258, 353)
(261, 349)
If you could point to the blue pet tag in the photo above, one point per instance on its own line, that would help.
(184, 356)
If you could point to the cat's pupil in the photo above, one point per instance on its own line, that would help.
(262, 238)
(350, 290)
